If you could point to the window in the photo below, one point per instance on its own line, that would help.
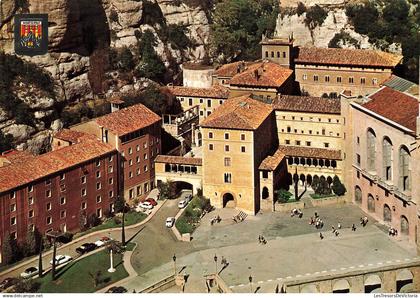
(145, 168)
(243, 149)
(304, 77)
(227, 148)
(208, 113)
(338, 79)
(146, 187)
(48, 206)
(227, 161)
(371, 150)
(62, 200)
(278, 54)
(315, 78)
(387, 158)
(138, 171)
(327, 79)
(287, 142)
(374, 81)
(13, 235)
(98, 163)
(98, 199)
(201, 100)
(265, 174)
(190, 101)
(83, 179)
(98, 174)
(266, 54)
(358, 140)
(284, 54)
(62, 176)
(326, 145)
(83, 192)
(228, 178)
(111, 181)
(110, 169)
(138, 148)
(404, 169)
(12, 207)
(323, 132)
(351, 80)
(362, 81)
(130, 174)
(49, 220)
(297, 143)
(30, 200)
(111, 158)
(210, 135)
(130, 150)
(209, 103)
(12, 221)
(272, 54)
(226, 136)
(145, 145)
(138, 159)
(130, 162)
(139, 190)
(310, 132)
(62, 213)
(145, 156)
(30, 188)
(48, 193)
(242, 137)
(84, 205)
(358, 159)
(31, 213)
(211, 147)
(289, 129)
(308, 144)
(111, 194)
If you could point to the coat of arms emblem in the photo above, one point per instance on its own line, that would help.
(31, 34)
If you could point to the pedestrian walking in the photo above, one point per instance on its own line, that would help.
(353, 227)
(321, 236)
(333, 229)
(339, 225)
(336, 233)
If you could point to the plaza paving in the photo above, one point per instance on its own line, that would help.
(294, 249)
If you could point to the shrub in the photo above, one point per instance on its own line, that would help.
(315, 16)
(66, 237)
(323, 188)
(343, 39)
(93, 220)
(338, 188)
(283, 195)
(301, 9)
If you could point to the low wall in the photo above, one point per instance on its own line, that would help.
(181, 237)
(160, 286)
(328, 201)
(287, 207)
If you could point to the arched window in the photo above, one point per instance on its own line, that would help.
(387, 158)
(371, 150)
(371, 203)
(405, 228)
(387, 213)
(404, 169)
(358, 195)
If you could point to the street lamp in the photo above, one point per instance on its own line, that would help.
(54, 235)
(215, 262)
(174, 259)
(111, 267)
(250, 282)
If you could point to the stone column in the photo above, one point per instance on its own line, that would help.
(357, 284)
(389, 283)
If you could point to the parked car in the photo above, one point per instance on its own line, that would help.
(182, 204)
(29, 272)
(170, 222)
(146, 205)
(8, 282)
(85, 247)
(188, 198)
(101, 242)
(151, 201)
(60, 259)
(117, 290)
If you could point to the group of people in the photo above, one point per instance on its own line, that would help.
(392, 232)
(335, 231)
(364, 221)
(316, 221)
(216, 219)
(261, 240)
(296, 212)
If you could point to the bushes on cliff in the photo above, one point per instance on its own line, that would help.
(315, 16)
(150, 65)
(5, 142)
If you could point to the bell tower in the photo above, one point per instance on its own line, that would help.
(278, 50)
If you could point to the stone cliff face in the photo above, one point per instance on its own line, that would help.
(79, 30)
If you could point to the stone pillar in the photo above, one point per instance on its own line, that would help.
(389, 282)
(193, 140)
(357, 284)
(325, 286)
(416, 279)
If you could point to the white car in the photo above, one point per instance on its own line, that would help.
(146, 205)
(182, 204)
(170, 222)
(101, 242)
(60, 259)
(29, 272)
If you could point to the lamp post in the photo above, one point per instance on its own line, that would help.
(250, 282)
(174, 259)
(215, 262)
(111, 267)
(54, 235)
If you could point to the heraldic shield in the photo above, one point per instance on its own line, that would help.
(31, 34)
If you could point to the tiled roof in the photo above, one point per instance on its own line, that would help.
(213, 92)
(231, 69)
(19, 174)
(396, 106)
(241, 112)
(350, 57)
(72, 136)
(298, 151)
(264, 74)
(128, 119)
(179, 160)
(271, 162)
(307, 104)
(116, 100)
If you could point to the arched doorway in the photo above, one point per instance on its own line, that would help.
(302, 178)
(358, 195)
(311, 288)
(372, 282)
(341, 286)
(228, 201)
(387, 213)
(265, 193)
(309, 179)
(404, 281)
(405, 228)
(371, 203)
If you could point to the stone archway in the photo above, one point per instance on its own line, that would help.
(404, 280)
(405, 226)
(357, 195)
(371, 203)
(309, 179)
(265, 193)
(372, 283)
(341, 286)
(229, 200)
(387, 213)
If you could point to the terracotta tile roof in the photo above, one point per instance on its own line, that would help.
(72, 136)
(116, 100)
(196, 66)
(15, 156)
(231, 69)
(350, 57)
(241, 112)
(270, 163)
(179, 160)
(396, 106)
(298, 151)
(264, 74)
(213, 92)
(19, 174)
(307, 104)
(128, 119)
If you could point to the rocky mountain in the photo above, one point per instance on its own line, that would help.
(81, 32)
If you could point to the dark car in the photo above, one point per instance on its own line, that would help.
(117, 290)
(152, 202)
(85, 247)
(8, 282)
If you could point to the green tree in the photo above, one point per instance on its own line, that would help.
(301, 9)
(26, 286)
(315, 16)
(119, 204)
(7, 251)
(283, 195)
(238, 26)
(338, 188)
(5, 142)
(126, 59)
(323, 188)
(31, 243)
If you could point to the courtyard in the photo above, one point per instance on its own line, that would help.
(294, 249)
